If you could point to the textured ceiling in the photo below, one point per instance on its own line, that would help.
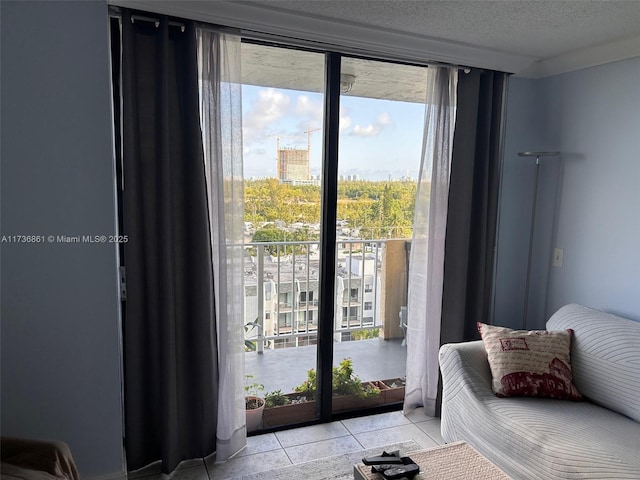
(538, 28)
(530, 38)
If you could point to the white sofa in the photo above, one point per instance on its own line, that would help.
(541, 438)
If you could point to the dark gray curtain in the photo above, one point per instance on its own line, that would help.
(473, 204)
(170, 357)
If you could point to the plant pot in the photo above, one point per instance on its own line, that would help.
(394, 393)
(295, 412)
(343, 403)
(254, 415)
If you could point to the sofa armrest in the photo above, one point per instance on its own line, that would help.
(466, 386)
(465, 366)
(51, 457)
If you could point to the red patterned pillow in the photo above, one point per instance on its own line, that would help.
(529, 363)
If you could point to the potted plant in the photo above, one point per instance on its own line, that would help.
(276, 399)
(287, 408)
(254, 404)
(349, 391)
(308, 387)
(345, 382)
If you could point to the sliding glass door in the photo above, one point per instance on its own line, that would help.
(331, 155)
(283, 98)
(380, 141)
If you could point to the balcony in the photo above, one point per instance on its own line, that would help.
(279, 286)
(284, 307)
(284, 368)
(352, 302)
(311, 304)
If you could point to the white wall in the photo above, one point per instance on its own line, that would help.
(522, 131)
(60, 309)
(592, 117)
(525, 132)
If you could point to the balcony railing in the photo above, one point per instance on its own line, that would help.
(278, 274)
(310, 303)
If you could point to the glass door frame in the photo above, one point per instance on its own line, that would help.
(328, 218)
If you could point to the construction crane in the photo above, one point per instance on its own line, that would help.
(308, 132)
(278, 137)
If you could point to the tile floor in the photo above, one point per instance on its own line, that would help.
(274, 450)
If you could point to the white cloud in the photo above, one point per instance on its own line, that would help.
(307, 107)
(345, 122)
(345, 119)
(253, 151)
(269, 107)
(368, 131)
(383, 120)
(309, 113)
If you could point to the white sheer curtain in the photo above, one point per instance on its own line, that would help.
(426, 264)
(221, 118)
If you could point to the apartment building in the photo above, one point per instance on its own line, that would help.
(282, 293)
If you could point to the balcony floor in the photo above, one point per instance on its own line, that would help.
(283, 369)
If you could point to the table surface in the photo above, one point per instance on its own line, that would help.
(452, 461)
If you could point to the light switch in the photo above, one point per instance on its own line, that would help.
(557, 257)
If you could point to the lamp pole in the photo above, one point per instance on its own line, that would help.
(532, 226)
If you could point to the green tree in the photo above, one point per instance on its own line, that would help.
(376, 209)
(270, 234)
(366, 334)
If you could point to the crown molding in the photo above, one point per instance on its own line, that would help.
(352, 37)
(341, 35)
(584, 58)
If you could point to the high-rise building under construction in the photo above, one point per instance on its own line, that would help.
(293, 165)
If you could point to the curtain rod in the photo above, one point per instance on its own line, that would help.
(157, 22)
(116, 12)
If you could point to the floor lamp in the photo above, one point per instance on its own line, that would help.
(537, 156)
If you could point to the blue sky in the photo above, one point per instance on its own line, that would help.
(378, 138)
